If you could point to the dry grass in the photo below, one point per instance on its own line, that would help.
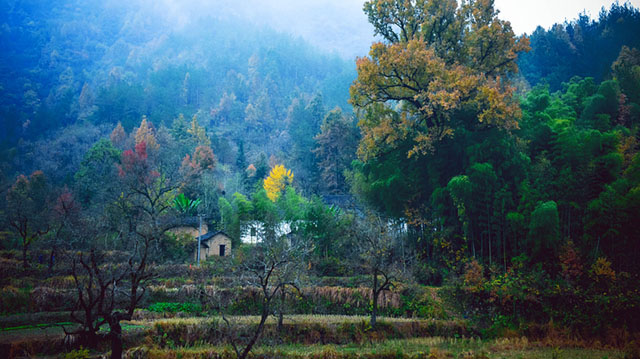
(290, 319)
(304, 329)
(431, 348)
(353, 296)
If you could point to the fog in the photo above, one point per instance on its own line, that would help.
(338, 26)
(341, 26)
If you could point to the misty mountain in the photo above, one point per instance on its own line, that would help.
(80, 60)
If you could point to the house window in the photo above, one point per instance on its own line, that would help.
(222, 248)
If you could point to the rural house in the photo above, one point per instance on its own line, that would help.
(213, 244)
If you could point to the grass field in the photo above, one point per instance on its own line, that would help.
(368, 345)
(432, 348)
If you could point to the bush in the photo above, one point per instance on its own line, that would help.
(331, 267)
(14, 300)
(77, 354)
(632, 350)
(172, 307)
(427, 274)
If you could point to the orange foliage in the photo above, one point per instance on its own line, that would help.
(440, 58)
(474, 275)
(145, 133)
(570, 262)
(602, 269)
(118, 136)
(203, 159)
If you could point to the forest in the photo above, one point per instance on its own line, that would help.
(213, 187)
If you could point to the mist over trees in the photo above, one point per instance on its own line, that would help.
(77, 63)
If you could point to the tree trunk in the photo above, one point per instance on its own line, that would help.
(283, 295)
(25, 246)
(489, 234)
(52, 257)
(374, 306)
(116, 339)
(473, 244)
(256, 334)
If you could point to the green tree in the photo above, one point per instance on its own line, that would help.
(544, 231)
(438, 76)
(234, 215)
(335, 149)
(97, 171)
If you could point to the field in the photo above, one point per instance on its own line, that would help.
(328, 318)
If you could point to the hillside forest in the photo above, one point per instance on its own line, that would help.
(461, 191)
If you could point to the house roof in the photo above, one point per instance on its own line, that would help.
(207, 236)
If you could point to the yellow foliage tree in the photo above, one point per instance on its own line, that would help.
(278, 178)
(198, 133)
(145, 134)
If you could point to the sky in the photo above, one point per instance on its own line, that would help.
(526, 15)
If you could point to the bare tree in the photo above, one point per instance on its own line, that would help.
(375, 241)
(270, 266)
(65, 221)
(27, 205)
(140, 213)
(108, 294)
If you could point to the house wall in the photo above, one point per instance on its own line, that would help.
(216, 241)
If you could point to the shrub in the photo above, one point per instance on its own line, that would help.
(331, 267)
(80, 353)
(14, 300)
(172, 307)
(632, 350)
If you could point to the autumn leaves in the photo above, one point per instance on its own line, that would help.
(440, 70)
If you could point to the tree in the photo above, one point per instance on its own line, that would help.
(66, 217)
(195, 167)
(139, 213)
(234, 215)
(375, 244)
(303, 123)
(278, 179)
(198, 133)
(27, 209)
(145, 133)
(328, 228)
(118, 136)
(336, 146)
(626, 70)
(544, 231)
(95, 177)
(108, 294)
(441, 75)
(460, 189)
(185, 205)
(581, 47)
(270, 266)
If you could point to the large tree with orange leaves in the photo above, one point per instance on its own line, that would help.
(441, 72)
(441, 67)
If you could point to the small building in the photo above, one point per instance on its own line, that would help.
(213, 244)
